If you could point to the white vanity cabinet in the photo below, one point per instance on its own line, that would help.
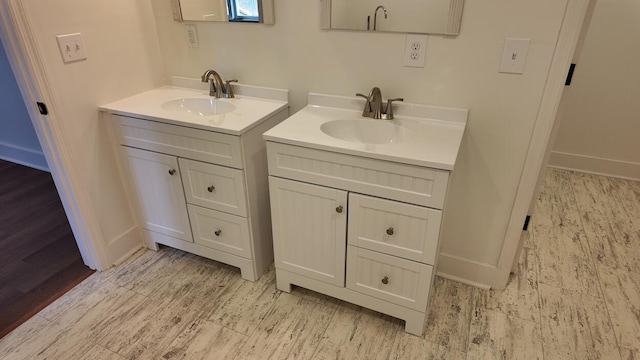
(201, 191)
(199, 183)
(357, 203)
(362, 230)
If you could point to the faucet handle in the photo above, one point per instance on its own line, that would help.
(389, 110)
(228, 88)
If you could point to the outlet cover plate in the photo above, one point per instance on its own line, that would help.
(71, 47)
(415, 50)
(514, 55)
(192, 36)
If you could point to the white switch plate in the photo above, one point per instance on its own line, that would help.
(192, 36)
(415, 50)
(514, 55)
(71, 47)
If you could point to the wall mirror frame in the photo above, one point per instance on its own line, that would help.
(223, 11)
(436, 17)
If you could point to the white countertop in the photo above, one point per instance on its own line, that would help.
(432, 140)
(248, 112)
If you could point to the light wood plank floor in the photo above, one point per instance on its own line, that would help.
(576, 296)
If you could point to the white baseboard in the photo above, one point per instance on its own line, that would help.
(23, 156)
(464, 281)
(124, 245)
(595, 165)
(466, 271)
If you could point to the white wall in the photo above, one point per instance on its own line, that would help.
(18, 140)
(460, 72)
(601, 123)
(123, 59)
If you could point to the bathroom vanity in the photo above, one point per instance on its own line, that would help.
(357, 203)
(198, 170)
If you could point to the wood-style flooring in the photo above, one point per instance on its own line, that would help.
(576, 295)
(39, 258)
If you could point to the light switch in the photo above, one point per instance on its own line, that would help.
(514, 55)
(71, 47)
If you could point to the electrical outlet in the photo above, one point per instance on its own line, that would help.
(415, 50)
(192, 36)
(71, 47)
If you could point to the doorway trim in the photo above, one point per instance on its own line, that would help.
(28, 69)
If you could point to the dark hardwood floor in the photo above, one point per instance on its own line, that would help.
(39, 258)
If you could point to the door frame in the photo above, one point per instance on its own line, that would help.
(572, 31)
(30, 74)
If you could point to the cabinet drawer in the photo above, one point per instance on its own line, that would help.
(214, 187)
(394, 228)
(181, 141)
(220, 231)
(389, 278)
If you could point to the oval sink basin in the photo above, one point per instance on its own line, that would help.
(365, 131)
(198, 106)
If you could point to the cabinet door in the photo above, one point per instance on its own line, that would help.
(309, 229)
(157, 179)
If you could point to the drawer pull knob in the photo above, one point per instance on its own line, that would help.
(218, 232)
(385, 280)
(390, 231)
(211, 188)
(339, 209)
(172, 172)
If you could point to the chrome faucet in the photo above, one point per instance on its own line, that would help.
(217, 87)
(375, 16)
(373, 106)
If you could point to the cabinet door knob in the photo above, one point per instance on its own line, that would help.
(172, 172)
(339, 209)
(211, 188)
(390, 231)
(385, 280)
(218, 232)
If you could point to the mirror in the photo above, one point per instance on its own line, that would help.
(406, 16)
(253, 11)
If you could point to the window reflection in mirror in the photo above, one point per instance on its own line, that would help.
(243, 10)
